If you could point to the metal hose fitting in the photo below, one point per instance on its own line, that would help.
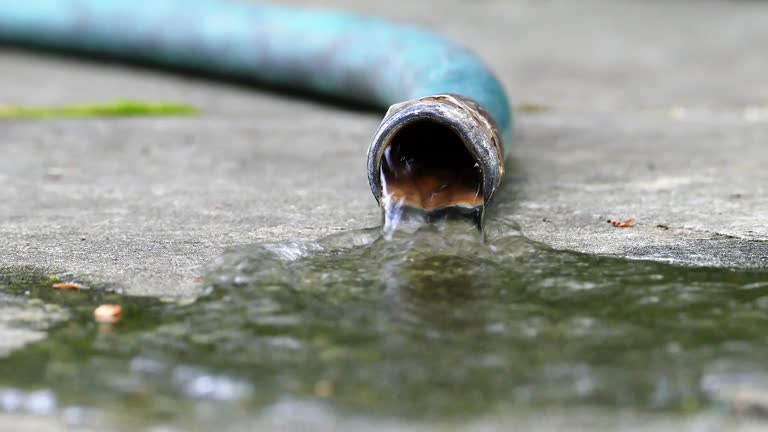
(472, 124)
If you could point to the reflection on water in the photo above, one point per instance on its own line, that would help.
(436, 323)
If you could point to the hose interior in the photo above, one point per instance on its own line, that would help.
(427, 166)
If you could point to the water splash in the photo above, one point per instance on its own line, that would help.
(435, 323)
(422, 195)
(391, 207)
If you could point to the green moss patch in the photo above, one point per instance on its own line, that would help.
(119, 108)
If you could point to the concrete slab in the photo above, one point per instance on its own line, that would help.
(145, 202)
(649, 111)
(695, 187)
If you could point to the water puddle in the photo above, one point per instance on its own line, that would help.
(438, 324)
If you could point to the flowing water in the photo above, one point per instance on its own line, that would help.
(439, 323)
(427, 165)
(428, 175)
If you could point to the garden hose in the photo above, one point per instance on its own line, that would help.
(441, 142)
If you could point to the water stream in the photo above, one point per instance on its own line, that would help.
(429, 184)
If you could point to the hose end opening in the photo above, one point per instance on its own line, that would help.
(436, 153)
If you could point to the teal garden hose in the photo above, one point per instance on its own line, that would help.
(437, 91)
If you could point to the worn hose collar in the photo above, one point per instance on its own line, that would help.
(469, 120)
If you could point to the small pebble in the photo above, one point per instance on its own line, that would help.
(108, 313)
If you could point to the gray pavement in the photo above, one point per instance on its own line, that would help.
(649, 110)
(145, 202)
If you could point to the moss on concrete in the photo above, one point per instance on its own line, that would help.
(118, 108)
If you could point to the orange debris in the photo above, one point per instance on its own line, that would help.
(108, 313)
(67, 286)
(629, 223)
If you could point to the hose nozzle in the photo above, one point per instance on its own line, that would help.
(435, 153)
